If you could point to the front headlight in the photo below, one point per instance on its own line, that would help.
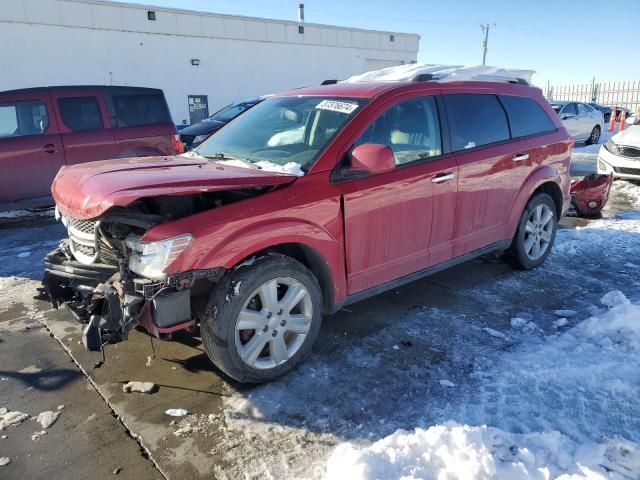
(612, 147)
(199, 138)
(149, 259)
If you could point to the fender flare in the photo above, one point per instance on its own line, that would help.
(273, 234)
(540, 176)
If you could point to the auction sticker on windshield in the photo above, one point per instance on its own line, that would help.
(335, 106)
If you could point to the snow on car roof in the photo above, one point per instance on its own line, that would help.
(443, 73)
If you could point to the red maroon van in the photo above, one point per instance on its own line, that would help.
(309, 201)
(42, 129)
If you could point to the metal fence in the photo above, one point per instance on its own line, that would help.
(613, 94)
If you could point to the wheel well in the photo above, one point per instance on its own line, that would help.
(314, 262)
(553, 190)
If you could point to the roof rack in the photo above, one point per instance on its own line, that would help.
(428, 77)
(445, 73)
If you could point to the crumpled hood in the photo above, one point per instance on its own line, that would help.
(629, 136)
(87, 190)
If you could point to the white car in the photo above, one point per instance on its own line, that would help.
(621, 154)
(583, 122)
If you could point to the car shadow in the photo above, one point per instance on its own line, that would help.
(45, 380)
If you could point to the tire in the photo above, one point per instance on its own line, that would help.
(594, 136)
(254, 295)
(522, 253)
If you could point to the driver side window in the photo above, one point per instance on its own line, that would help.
(410, 128)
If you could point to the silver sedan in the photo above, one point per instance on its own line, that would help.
(583, 122)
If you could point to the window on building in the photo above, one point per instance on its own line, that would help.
(80, 114)
(475, 120)
(135, 110)
(411, 128)
(18, 119)
(526, 116)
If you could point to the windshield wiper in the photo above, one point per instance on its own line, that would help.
(223, 157)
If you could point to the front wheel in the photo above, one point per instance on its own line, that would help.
(535, 234)
(262, 319)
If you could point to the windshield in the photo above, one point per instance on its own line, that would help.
(229, 112)
(282, 131)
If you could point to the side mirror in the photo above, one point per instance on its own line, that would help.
(373, 158)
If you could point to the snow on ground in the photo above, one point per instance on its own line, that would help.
(568, 408)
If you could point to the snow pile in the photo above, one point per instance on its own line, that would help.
(10, 418)
(48, 418)
(442, 73)
(571, 399)
(139, 387)
(463, 452)
(292, 168)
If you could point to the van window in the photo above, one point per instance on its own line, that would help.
(411, 128)
(80, 114)
(475, 120)
(135, 110)
(526, 116)
(19, 119)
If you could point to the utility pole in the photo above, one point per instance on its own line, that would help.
(485, 28)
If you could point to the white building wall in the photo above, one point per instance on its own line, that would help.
(74, 42)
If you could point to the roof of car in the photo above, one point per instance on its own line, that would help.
(370, 90)
(84, 87)
(565, 102)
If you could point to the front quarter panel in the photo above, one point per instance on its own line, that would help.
(307, 212)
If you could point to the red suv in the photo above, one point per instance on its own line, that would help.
(311, 200)
(42, 129)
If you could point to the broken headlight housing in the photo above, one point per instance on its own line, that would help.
(149, 259)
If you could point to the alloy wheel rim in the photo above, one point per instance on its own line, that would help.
(538, 232)
(273, 323)
(595, 135)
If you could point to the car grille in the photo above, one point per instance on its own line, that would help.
(632, 152)
(82, 240)
(627, 171)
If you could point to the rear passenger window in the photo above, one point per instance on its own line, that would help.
(526, 116)
(475, 120)
(80, 114)
(411, 128)
(19, 119)
(135, 110)
(583, 109)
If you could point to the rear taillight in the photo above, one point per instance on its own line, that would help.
(177, 144)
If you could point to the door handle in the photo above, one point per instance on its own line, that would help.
(520, 157)
(49, 148)
(443, 177)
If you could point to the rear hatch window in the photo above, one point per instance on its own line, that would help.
(139, 109)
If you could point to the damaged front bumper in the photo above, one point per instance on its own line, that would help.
(109, 300)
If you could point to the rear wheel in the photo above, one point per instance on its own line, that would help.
(594, 137)
(262, 319)
(535, 234)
